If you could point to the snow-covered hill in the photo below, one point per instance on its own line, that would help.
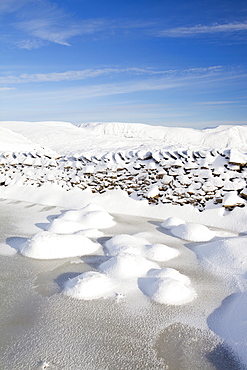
(100, 138)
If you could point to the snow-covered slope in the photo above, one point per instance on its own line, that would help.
(221, 136)
(12, 141)
(100, 138)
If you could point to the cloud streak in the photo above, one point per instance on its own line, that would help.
(97, 72)
(200, 29)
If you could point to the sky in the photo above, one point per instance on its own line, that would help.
(173, 63)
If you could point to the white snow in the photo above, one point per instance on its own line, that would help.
(167, 286)
(171, 222)
(124, 243)
(193, 232)
(80, 169)
(125, 266)
(229, 321)
(232, 199)
(225, 257)
(88, 217)
(65, 138)
(160, 252)
(46, 245)
(89, 285)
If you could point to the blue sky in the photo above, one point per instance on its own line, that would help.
(172, 63)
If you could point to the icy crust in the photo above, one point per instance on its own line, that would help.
(46, 245)
(89, 285)
(193, 232)
(167, 286)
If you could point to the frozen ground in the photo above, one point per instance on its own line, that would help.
(104, 281)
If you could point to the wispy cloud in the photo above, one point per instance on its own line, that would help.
(45, 21)
(10, 6)
(201, 29)
(4, 89)
(221, 102)
(96, 72)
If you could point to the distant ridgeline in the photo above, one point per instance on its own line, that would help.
(179, 177)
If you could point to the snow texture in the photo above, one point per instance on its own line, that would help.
(46, 245)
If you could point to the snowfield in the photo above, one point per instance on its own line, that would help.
(117, 239)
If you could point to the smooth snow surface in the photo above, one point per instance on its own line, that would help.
(47, 245)
(126, 244)
(65, 138)
(167, 286)
(228, 256)
(171, 222)
(89, 285)
(160, 252)
(126, 265)
(89, 217)
(193, 232)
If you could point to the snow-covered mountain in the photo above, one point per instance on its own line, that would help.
(100, 138)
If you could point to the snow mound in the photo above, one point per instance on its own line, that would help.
(227, 257)
(137, 245)
(91, 233)
(193, 232)
(89, 217)
(229, 321)
(46, 245)
(60, 226)
(167, 286)
(160, 252)
(126, 265)
(124, 243)
(89, 285)
(171, 222)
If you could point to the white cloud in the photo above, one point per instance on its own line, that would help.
(29, 44)
(96, 72)
(200, 29)
(3, 89)
(221, 102)
(9, 6)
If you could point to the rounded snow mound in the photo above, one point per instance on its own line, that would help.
(167, 286)
(90, 217)
(60, 226)
(226, 257)
(160, 252)
(127, 266)
(89, 285)
(171, 222)
(124, 243)
(46, 245)
(193, 232)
